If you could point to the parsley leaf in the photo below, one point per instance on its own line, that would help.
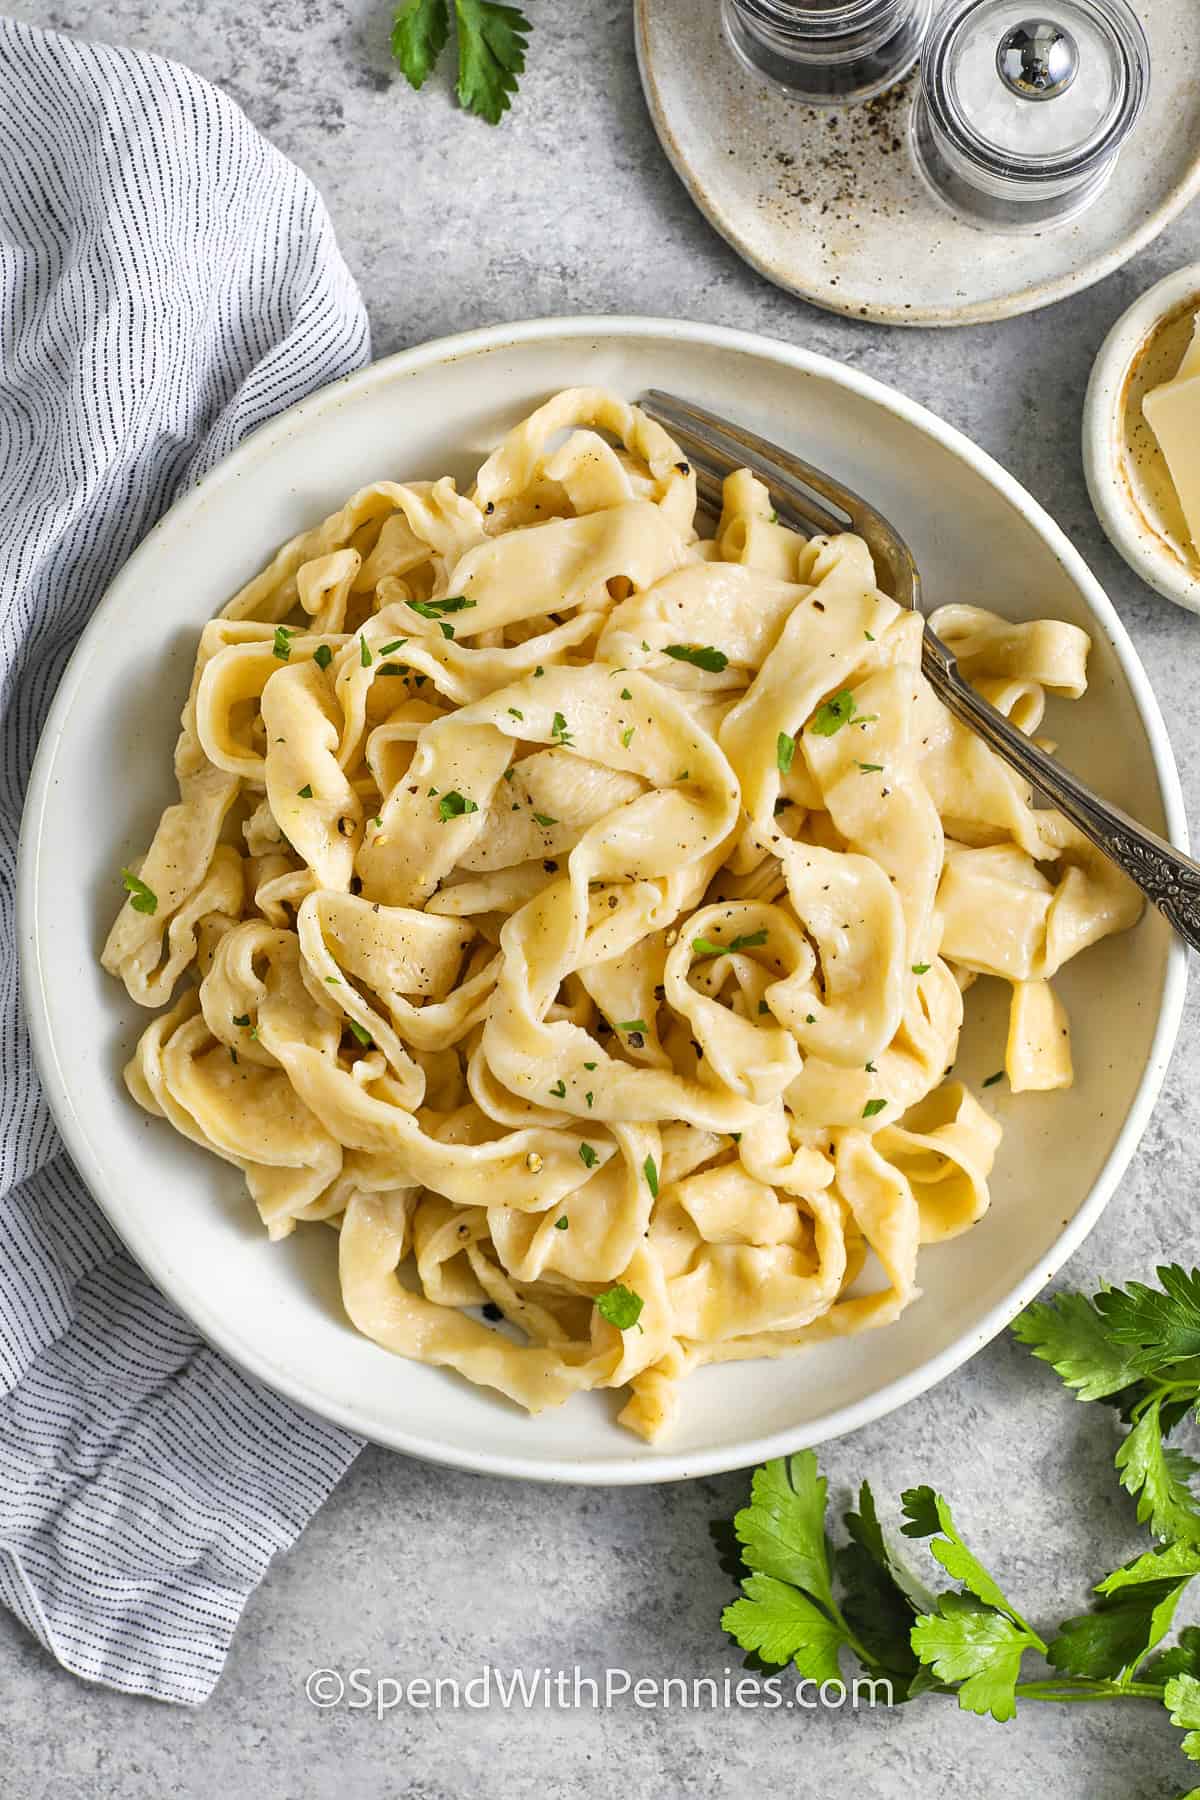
(491, 56)
(1135, 1611)
(620, 1306)
(785, 750)
(833, 714)
(782, 1625)
(544, 819)
(558, 730)
(977, 1646)
(782, 1531)
(701, 656)
(927, 1514)
(1073, 1337)
(872, 1107)
(1162, 1327)
(364, 653)
(587, 1156)
(650, 1171)
(361, 1033)
(875, 1605)
(1181, 1697)
(322, 656)
(419, 34)
(141, 898)
(281, 647)
(1158, 1478)
(454, 805)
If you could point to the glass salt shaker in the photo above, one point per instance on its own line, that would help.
(827, 52)
(1022, 115)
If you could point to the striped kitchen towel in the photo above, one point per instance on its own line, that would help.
(167, 282)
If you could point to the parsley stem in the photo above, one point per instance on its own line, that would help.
(1078, 1688)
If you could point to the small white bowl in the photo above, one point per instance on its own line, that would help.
(1126, 473)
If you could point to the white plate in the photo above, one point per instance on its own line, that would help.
(103, 773)
(826, 202)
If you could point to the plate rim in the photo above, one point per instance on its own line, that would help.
(1075, 280)
(635, 1468)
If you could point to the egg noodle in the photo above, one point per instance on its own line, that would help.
(580, 912)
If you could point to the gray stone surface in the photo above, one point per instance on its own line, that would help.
(414, 1570)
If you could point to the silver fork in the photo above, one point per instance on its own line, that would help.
(813, 503)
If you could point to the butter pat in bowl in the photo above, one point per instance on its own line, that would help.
(1141, 436)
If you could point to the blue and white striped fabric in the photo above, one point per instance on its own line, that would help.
(167, 282)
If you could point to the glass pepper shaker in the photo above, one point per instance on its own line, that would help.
(827, 52)
(1021, 115)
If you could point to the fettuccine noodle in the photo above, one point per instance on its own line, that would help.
(579, 914)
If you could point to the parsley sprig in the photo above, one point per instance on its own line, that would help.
(491, 49)
(805, 1602)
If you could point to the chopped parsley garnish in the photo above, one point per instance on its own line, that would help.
(589, 1097)
(305, 792)
(872, 1107)
(632, 1025)
(870, 768)
(620, 1306)
(559, 1090)
(396, 644)
(364, 1037)
(241, 1018)
(558, 730)
(454, 805)
(625, 694)
(701, 656)
(538, 671)
(627, 736)
(322, 656)
(763, 1008)
(514, 713)
(392, 669)
(751, 940)
(561, 1224)
(650, 1171)
(544, 819)
(233, 1056)
(591, 1065)
(833, 714)
(870, 636)
(141, 898)
(785, 750)
(435, 609)
(993, 1079)
(364, 653)
(920, 968)
(281, 647)
(587, 1156)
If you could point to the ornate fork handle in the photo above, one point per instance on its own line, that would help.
(1165, 875)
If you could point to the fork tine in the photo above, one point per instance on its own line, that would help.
(796, 481)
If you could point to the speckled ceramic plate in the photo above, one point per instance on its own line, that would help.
(103, 774)
(826, 202)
